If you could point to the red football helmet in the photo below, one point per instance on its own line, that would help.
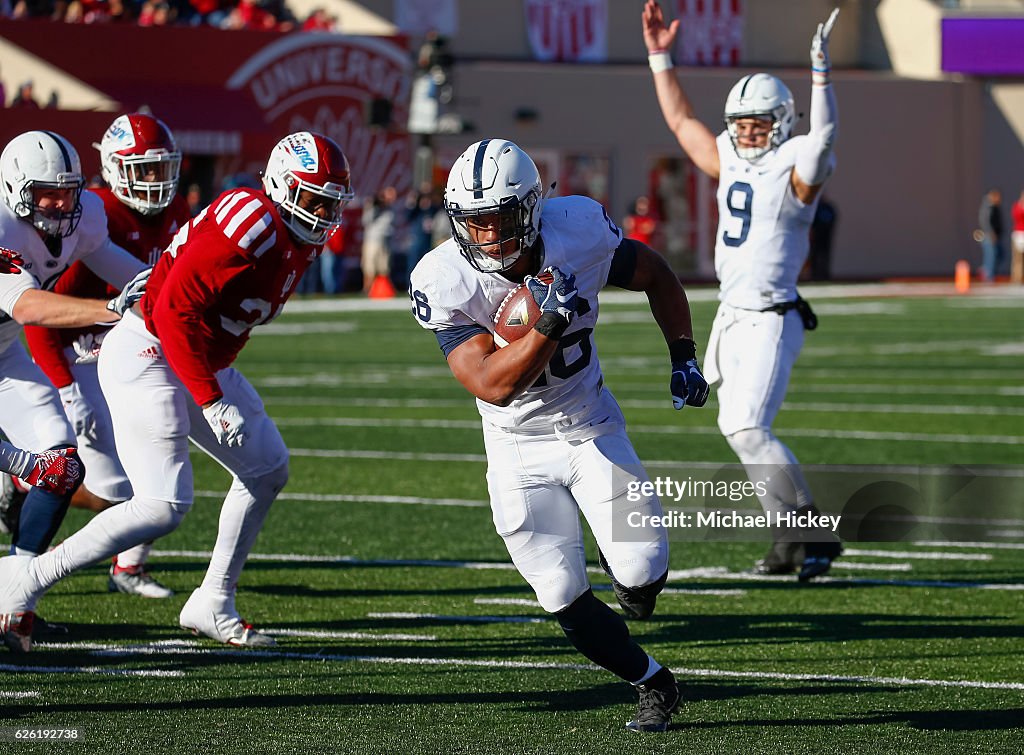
(140, 162)
(307, 172)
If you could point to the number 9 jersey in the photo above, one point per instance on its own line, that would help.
(763, 228)
(457, 302)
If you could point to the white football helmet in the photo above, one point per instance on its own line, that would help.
(313, 163)
(41, 160)
(140, 162)
(494, 177)
(760, 95)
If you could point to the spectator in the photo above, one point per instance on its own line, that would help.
(990, 220)
(378, 230)
(420, 214)
(194, 197)
(822, 227)
(640, 224)
(320, 20)
(24, 98)
(1017, 240)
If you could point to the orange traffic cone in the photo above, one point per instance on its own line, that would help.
(381, 288)
(962, 277)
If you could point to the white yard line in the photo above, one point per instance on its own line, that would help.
(722, 572)
(411, 616)
(859, 566)
(274, 655)
(95, 670)
(7, 694)
(926, 555)
(328, 635)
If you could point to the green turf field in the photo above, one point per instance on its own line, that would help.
(402, 627)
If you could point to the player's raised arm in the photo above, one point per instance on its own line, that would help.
(637, 267)
(814, 160)
(694, 137)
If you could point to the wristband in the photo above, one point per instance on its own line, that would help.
(682, 350)
(551, 325)
(659, 61)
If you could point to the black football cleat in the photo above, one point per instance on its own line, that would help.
(781, 558)
(637, 602)
(818, 559)
(46, 630)
(659, 699)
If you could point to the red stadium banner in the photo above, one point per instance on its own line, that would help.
(710, 32)
(231, 92)
(568, 30)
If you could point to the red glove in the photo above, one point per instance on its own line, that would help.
(57, 471)
(10, 261)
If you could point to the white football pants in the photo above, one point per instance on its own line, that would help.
(153, 419)
(31, 413)
(749, 359)
(539, 484)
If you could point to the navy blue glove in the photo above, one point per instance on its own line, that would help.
(688, 385)
(558, 297)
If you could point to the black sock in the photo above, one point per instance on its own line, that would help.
(601, 635)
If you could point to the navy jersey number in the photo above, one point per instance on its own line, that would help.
(742, 210)
(559, 367)
(421, 308)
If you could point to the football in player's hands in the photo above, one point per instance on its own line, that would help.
(517, 314)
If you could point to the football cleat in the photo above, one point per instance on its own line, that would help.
(215, 617)
(46, 630)
(12, 498)
(781, 558)
(135, 580)
(636, 602)
(818, 559)
(17, 630)
(659, 699)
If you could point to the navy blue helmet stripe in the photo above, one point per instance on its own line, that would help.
(478, 170)
(746, 82)
(63, 150)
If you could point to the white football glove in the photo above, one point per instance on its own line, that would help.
(227, 422)
(819, 44)
(79, 411)
(131, 293)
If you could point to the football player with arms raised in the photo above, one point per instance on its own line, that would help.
(554, 435)
(140, 163)
(49, 223)
(769, 184)
(166, 370)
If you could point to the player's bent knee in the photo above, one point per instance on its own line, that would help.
(159, 518)
(750, 444)
(557, 598)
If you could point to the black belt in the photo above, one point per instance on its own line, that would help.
(803, 308)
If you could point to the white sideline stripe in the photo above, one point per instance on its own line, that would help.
(706, 572)
(968, 544)
(341, 498)
(468, 619)
(10, 668)
(328, 635)
(303, 328)
(722, 572)
(462, 424)
(859, 566)
(541, 665)
(864, 408)
(348, 560)
(926, 555)
(6, 694)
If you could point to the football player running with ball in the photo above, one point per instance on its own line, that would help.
(166, 370)
(554, 435)
(140, 163)
(769, 184)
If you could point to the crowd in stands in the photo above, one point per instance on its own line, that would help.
(223, 14)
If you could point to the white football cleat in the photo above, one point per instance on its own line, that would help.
(135, 580)
(216, 617)
(17, 630)
(16, 603)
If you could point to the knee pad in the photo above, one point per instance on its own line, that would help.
(268, 485)
(157, 518)
(751, 445)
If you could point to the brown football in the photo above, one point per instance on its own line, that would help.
(517, 314)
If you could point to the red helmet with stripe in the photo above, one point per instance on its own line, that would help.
(308, 178)
(140, 162)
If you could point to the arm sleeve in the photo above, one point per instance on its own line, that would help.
(47, 349)
(623, 264)
(192, 287)
(814, 159)
(113, 264)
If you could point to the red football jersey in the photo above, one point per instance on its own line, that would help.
(145, 236)
(232, 268)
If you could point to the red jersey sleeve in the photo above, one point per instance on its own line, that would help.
(193, 285)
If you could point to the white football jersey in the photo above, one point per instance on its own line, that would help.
(42, 268)
(450, 294)
(763, 228)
